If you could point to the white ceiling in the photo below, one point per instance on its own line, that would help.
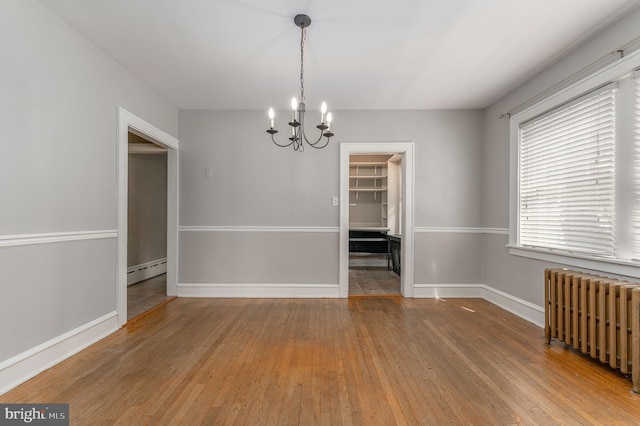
(359, 54)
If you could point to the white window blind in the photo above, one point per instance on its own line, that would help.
(636, 173)
(567, 177)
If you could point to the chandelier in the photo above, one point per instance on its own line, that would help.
(298, 135)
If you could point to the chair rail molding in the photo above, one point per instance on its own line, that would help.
(55, 237)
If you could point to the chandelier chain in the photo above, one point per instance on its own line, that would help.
(302, 37)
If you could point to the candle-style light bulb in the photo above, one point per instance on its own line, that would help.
(271, 116)
(329, 118)
(294, 105)
(323, 110)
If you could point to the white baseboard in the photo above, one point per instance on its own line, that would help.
(442, 291)
(22, 367)
(259, 290)
(525, 310)
(146, 270)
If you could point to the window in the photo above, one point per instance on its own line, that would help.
(575, 156)
(636, 172)
(567, 177)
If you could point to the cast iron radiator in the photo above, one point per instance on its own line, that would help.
(597, 315)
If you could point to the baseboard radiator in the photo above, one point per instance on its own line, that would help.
(597, 315)
(144, 271)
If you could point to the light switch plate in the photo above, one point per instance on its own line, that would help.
(334, 200)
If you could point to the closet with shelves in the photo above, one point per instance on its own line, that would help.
(368, 186)
(373, 205)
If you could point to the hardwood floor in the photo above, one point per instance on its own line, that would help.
(370, 275)
(146, 295)
(363, 361)
(373, 280)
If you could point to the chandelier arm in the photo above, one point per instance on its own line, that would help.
(283, 146)
(314, 144)
(304, 135)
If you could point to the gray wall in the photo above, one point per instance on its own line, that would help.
(58, 130)
(256, 183)
(147, 208)
(518, 276)
(58, 168)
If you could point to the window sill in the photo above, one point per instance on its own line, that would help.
(620, 268)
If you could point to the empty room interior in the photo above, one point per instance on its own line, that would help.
(452, 238)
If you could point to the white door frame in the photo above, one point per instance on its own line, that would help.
(128, 122)
(406, 149)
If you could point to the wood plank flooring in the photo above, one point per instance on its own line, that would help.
(146, 295)
(359, 361)
(370, 280)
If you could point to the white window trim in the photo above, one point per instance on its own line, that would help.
(611, 266)
(633, 244)
(607, 74)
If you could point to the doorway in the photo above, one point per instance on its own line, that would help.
(146, 226)
(129, 123)
(375, 206)
(400, 222)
